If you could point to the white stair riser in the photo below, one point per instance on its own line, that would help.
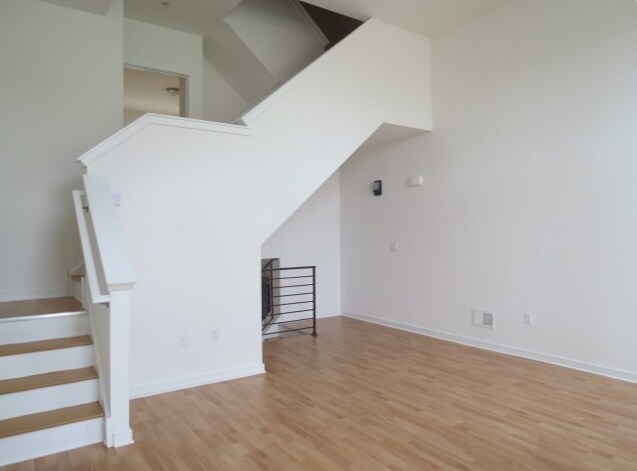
(27, 364)
(53, 440)
(32, 330)
(45, 399)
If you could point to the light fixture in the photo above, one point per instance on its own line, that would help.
(173, 91)
(377, 187)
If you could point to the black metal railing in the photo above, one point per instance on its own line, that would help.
(289, 299)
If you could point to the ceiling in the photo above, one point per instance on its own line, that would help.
(189, 16)
(428, 17)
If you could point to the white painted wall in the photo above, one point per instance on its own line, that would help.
(167, 50)
(529, 202)
(61, 92)
(311, 236)
(277, 34)
(221, 102)
(198, 203)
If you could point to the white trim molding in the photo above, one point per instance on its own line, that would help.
(161, 120)
(506, 349)
(160, 387)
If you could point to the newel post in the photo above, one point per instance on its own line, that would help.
(118, 430)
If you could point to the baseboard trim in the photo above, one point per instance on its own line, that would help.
(161, 387)
(499, 348)
(325, 315)
(32, 294)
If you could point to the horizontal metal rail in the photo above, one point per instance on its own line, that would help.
(275, 290)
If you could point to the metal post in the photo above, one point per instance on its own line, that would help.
(314, 301)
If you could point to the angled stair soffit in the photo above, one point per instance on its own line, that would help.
(236, 63)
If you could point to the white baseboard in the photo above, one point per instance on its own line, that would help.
(506, 349)
(32, 294)
(150, 389)
(324, 315)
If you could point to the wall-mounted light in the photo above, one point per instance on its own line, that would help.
(415, 180)
(377, 187)
(173, 91)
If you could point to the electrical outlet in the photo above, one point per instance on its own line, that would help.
(348, 290)
(216, 335)
(528, 318)
(394, 246)
(182, 340)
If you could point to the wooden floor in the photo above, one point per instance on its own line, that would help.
(364, 397)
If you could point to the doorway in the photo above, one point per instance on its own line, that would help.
(153, 91)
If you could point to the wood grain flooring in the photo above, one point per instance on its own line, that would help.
(365, 397)
(38, 307)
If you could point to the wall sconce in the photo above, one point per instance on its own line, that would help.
(377, 187)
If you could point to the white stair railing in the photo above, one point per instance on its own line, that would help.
(110, 278)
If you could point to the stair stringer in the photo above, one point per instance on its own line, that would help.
(199, 198)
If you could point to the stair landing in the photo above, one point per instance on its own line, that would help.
(13, 310)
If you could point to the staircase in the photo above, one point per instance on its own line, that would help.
(199, 198)
(48, 384)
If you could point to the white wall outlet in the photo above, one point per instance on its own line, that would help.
(528, 318)
(348, 290)
(480, 318)
(216, 335)
(182, 340)
(394, 246)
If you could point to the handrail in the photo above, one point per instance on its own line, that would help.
(109, 237)
(108, 266)
(97, 296)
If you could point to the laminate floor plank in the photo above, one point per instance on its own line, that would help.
(365, 397)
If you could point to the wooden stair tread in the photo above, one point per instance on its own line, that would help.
(53, 418)
(43, 345)
(56, 378)
(38, 307)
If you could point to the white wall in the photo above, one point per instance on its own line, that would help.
(61, 93)
(167, 50)
(529, 202)
(221, 102)
(311, 236)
